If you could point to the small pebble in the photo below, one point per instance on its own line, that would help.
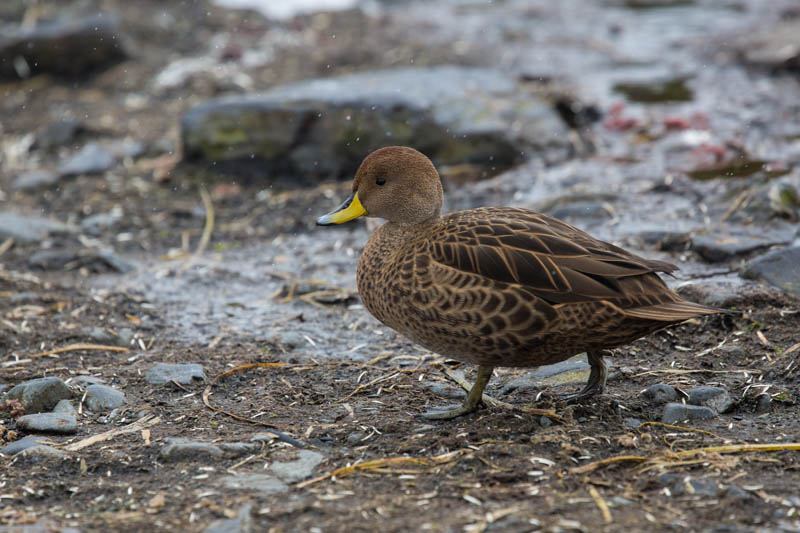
(299, 469)
(660, 393)
(184, 373)
(103, 398)
(763, 403)
(678, 412)
(716, 398)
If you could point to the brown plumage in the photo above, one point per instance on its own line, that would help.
(497, 286)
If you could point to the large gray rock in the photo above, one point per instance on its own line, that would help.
(720, 247)
(40, 395)
(68, 46)
(780, 268)
(322, 128)
(29, 228)
(48, 423)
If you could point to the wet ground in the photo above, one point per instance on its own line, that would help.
(679, 143)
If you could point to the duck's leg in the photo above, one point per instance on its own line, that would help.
(597, 377)
(473, 398)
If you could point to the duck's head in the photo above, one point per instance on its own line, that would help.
(396, 183)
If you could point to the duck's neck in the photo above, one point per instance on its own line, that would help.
(404, 228)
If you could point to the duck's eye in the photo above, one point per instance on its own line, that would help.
(380, 181)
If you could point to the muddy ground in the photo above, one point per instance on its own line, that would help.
(347, 387)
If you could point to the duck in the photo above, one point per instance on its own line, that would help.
(497, 286)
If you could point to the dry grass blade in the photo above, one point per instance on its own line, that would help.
(6, 246)
(208, 228)
(792, 348)
(601, 504)
(681, 428)
(494, 402)
(75, 347)
(381, 465)
(594, 465)
(375, 381)
(680, 371)
(671, 458)
(142, 423)
(275, 429)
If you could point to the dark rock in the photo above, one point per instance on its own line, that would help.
(660, 393)
(30, 228)
(723, 247)
(81, 381)
(322, 128)
(98, 335)
(66, 47)
(184, 373)
(632, 423)
(41, 452)
(34, 179)
(665, 239)
(91, 159)
(695, 487)
(716, 398)
(678, 412)
(40, 395)
(235, 449)
(103, 398)
(23, 444)
(48, 423)
(57, 133)
(763, 403)
(263, 483)
(65, 407)
(667, 90)
(93, 260)
(95, 225)
(180, 449)
(243, 523)
(299, 469)
(780, 268)
(444, 390)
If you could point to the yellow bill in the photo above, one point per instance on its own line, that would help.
(351, 208)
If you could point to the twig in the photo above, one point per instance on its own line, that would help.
(594, 465)
(273, 428)
(681, 371)
(380, 465)
(75, 347)
(207, 229)
(6, 246)
(375, 381)
(601, 504)
(669, 458)
(494, 402)
(144, 422)
(680, 428)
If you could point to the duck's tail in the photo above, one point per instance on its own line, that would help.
(672, 311)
